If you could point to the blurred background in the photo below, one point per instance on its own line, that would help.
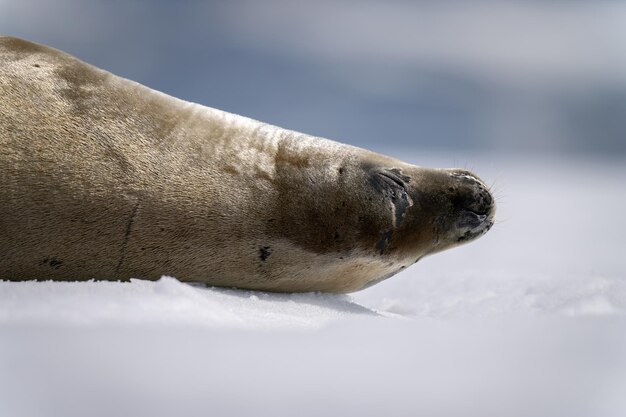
(507, 76)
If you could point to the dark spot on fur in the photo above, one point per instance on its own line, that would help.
(81, 86)
(231, 170)
(53, 263)
(384, 241)
(36, 65)
(81, 83)
(264, 253)
(341, 171)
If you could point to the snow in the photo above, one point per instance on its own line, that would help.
(529, 320)
(168, 302)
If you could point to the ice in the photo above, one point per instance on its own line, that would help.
(167, 302)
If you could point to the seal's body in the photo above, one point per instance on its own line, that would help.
(103, 178)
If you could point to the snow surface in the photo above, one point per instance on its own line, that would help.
(529, 320)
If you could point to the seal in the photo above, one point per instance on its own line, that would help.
(103, 178)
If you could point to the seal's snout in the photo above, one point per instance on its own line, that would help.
(474, 204)
(472, 194)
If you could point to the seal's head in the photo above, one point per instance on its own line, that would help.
(369, 216)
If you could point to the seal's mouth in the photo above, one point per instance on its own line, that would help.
(473, 225)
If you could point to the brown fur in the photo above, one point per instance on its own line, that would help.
(102, 178)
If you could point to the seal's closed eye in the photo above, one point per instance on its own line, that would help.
(390, 178)
(393, 185)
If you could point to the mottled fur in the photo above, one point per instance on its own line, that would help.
(103, 178)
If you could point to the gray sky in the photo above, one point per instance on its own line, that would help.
(500, 75)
